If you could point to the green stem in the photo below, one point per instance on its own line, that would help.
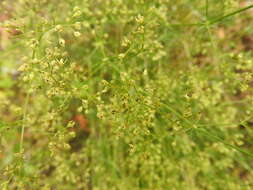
(214, 21)
(206, 9)
(23, 123)
(231, 14)
(208, 133)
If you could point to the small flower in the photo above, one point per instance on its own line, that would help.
(121, 55)
(77, 34)
(145, 72)
(58, 28)
(71, 124)
(85, 104)
(62, 42)
(66, 146)
(23, 67)
(80, 109)
(125, 42)
(77, 14)
(140, 30)
(139, 19)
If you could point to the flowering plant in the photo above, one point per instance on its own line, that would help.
(136, 94)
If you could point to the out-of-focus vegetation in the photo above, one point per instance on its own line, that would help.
(126, 95)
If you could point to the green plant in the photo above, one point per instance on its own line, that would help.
(132, 94)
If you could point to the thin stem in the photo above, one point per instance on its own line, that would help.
(214, 21)
(231, 14)
(207, 9)
(186, 25)
(23, 123)
(208, 133)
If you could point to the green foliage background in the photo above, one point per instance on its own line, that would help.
(163, 88)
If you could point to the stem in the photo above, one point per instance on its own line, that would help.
(206, 9)
(208, 133)
(23, 122)
(231, 14)
(214, 21)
